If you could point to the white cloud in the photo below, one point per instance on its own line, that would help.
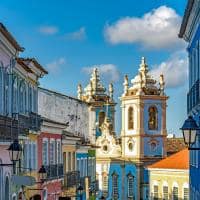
(76, 35)
(48, 30)
(156, 29)
(175, 70)
(109, 72)
(55, 65)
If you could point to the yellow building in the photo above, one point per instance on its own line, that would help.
(169, 177)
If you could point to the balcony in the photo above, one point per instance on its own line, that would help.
(9, 129)
(32, 121)
(54, 171)
(72, 179)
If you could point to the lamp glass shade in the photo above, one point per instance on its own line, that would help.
(186, 136)
(15, 151)
(193, 136)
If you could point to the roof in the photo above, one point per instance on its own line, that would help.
(178, 160)
(24, 65)
(174, 145)
(36, 63)
(10, 38)
(185, 18)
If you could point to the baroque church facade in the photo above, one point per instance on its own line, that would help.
(121, 160)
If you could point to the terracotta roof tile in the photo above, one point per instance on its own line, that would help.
(174, 145)
(178, 160)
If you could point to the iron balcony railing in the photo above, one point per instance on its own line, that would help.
(31, 121)
(9, 128)
(18, 124)
(72, 179)
(54, 171)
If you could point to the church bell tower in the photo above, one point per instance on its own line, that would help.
(143, 105)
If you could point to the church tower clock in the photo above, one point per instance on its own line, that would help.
(143, 105)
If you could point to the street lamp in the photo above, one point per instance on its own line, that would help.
(15, 152)
(42, 174)
(80, 192)
(189, 130)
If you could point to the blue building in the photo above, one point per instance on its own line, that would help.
(190, 32)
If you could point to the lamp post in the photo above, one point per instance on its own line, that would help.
(80, 192)
(15, 152)
(189, 130)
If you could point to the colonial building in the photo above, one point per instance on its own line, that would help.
(169, 177)
(19, 79)
(121, 161)
(67, 120)
(190, 32)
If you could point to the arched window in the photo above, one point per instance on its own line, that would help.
(185, 191)
(101, 118)
(155, 192)
(175, 191)
(165, 192)
(153, 118)
(130, 183)
(130, 118)
(114, 185)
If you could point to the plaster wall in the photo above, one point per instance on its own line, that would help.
(170, 178)
(64, 109)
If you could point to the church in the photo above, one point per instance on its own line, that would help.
(121, 159)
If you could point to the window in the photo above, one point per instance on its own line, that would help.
(185, 194)
(101, 118)
(69, 161)
(130, 179)
(6, 93)
(153, 146)
(115, 186)
(165, 192)
(155, 192)
(58, 146)
(73, 160)
(45, 152)
(78, 165)
(34, 156)
(15, 95)
(130, 146)
(130, 118)
(105, 182)
(153, 118)
(175, 193)
(52, 152)
(105, 148)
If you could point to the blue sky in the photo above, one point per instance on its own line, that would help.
(68, 37)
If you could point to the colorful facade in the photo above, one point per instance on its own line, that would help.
(190, 32)
(19, 78)
(77, 139)
(120, 162)
(169, 177)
